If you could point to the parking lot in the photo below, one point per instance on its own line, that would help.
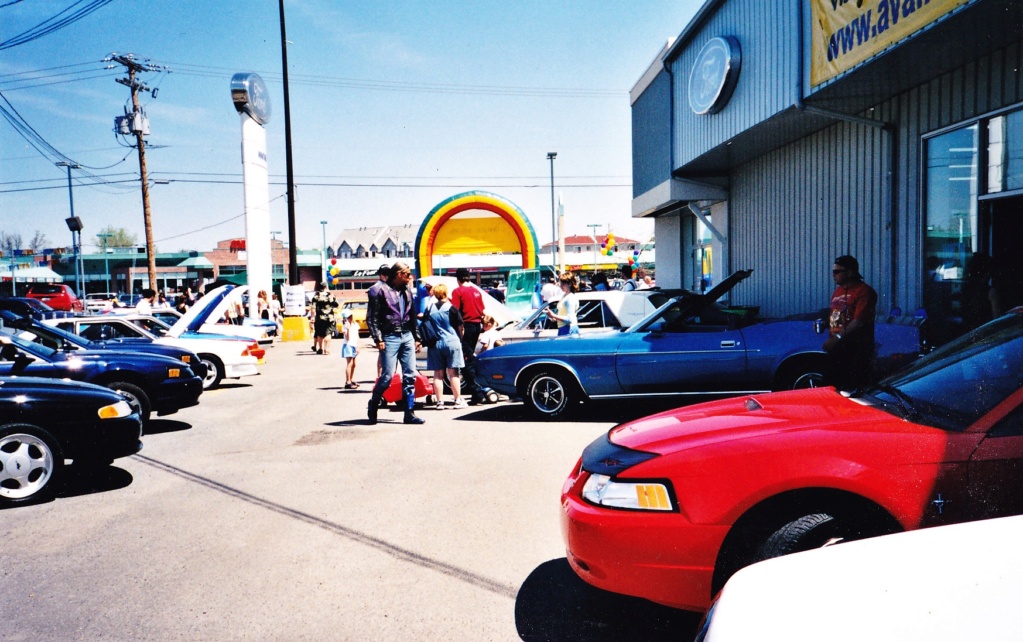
(273, 511)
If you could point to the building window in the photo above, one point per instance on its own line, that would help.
(951, 231)
(1005, 153)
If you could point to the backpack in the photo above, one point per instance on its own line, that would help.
(429, 334)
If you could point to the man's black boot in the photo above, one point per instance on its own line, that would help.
(371, 411)
(410, 416)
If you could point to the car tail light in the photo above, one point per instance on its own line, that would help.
(186, 358)
(173, 373)
(247, 351)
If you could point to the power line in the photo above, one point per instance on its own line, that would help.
(55, 23)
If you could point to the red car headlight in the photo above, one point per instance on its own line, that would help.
(603, 490)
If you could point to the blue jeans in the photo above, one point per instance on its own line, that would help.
(398, 348)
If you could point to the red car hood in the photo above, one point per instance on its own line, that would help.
(755, 416)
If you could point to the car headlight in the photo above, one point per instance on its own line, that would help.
(639, 495)
(115, 411)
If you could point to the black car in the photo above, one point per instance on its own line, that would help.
(32, 308)
(59, 339)
(44, 421)
(150, 382)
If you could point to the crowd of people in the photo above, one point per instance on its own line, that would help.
(397, 311)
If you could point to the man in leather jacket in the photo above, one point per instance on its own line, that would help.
(391, 318)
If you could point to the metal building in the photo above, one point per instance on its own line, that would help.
(779, 135)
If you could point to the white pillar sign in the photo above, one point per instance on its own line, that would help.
(252, 100)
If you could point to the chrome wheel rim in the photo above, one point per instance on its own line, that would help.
(547, 394)
(808, 380)
(26, 465)
(211, 374)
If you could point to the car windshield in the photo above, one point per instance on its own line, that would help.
(152, 325)
(41, 288)
(956, 385)
(44, 335)
(36, 305)
(28, 346)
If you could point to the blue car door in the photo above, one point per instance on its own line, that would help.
(692, 354)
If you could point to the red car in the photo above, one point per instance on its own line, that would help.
(56, 295)
(667, 507)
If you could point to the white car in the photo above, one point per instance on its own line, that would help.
(225, 357)
(610, 310)
(960, 582)
(99, 302)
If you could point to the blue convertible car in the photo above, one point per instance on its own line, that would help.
(691, 345)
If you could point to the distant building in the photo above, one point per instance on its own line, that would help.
(389, 242)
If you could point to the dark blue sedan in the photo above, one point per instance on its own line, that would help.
(691, 345)
(152, 383)
(58, 339)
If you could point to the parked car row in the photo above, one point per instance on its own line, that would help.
(82, 388)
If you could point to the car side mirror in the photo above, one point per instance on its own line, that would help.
(657, 327)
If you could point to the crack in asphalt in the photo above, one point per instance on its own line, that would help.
(396, 552)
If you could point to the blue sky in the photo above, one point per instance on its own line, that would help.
(395, 106)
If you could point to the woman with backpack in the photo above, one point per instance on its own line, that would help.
(446, 353)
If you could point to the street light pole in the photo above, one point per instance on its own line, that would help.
(323, 251)
(106, 261)
(594, 226)
(554, 226)
(79, 261)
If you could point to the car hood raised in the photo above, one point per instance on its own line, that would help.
(755, 416)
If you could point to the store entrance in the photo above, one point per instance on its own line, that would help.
(1005, 239)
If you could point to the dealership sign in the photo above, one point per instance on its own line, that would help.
(848, 32)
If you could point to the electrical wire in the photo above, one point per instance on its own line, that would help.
(54, 23)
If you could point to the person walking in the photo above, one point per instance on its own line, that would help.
(568, 308)
(383, 273)
(391, 317)
(350, 347)
(469, 302)
(850, 342)
(262, 305)
(446, 355)
(323, 305)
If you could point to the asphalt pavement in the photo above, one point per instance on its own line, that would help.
(273, 511)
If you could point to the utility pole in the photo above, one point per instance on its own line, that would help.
(136, 123)
(593, 227)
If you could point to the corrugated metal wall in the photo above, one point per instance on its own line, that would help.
(768, 37)
(651, 136)
(794, 210)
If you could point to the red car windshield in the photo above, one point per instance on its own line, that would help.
(956, 385)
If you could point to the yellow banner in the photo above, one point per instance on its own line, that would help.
(476, 235)
(847, 32)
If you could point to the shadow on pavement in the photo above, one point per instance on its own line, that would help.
(613, 411)
(553, 604)
(230, 385)
(95, 479)
(162, 426)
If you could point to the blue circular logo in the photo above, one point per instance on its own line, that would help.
(715, 74)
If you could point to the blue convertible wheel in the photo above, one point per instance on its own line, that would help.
(548, 395)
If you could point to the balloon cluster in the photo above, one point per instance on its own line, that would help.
(607, 248)
(634, 259)
(333, 274)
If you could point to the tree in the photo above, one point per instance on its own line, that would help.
(118, 237)
(38, 242)
(11, 242)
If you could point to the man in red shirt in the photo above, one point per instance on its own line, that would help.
(850, 342)
(469, 302)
